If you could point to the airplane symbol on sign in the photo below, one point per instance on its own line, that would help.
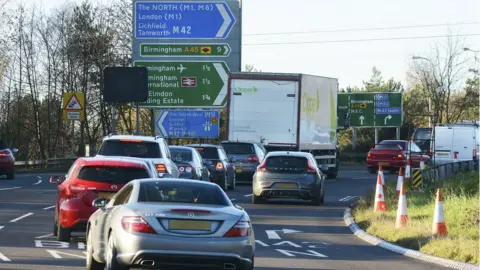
(181, 68)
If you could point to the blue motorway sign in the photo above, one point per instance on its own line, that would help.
(188, 124)
(182, 20)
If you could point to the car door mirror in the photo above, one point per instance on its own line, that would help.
(56, 179)
(100, 203)
(232, 159)
(238, 206)
(14, 150)
(323, 167)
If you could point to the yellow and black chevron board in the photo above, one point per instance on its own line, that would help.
(417, 178)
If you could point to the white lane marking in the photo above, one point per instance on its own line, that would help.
(4, 258)
(9, 188)
(1, 227)
(48, 207)
(21, 217)
(348, 198)
(56, 254)
(365, 177)
(44, 236)
(233, 199)
(248, 195)
(38, 182)
(344, 198)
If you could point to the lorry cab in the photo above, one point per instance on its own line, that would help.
(455, 142)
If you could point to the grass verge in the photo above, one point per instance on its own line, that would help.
(461, 209)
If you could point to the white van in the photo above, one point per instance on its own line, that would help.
(462, 139)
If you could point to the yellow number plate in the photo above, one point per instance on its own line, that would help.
(106, 195)
(286, 185)
(443, 154)
(238, 170)
(181, 224)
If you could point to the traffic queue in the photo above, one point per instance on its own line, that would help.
(145, 204)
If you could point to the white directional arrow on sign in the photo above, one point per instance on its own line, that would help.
(227, 50)
(361, 119)
(226, 21)
(160, 120)
(272, 234)
(224, 76)
(387, 118)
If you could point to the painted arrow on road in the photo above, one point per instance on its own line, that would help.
(387, 118)
(272, 234)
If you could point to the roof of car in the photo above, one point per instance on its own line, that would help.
(203, 145)
(247, 142)
(133, 137)
(137, 162)
(288, 153)
(181, 147)
(176, 180)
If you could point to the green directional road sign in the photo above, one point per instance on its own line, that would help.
(185, 84)
(365, 109)
(191, 49)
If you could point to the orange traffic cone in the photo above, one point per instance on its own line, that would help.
(379, 205)
(439, 227)
(402, 216)
(400, 180)
(380, 173)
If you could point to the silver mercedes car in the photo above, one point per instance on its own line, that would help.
(169, 224)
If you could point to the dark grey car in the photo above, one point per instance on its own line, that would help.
(248, 156)
(190, 163)
(292, 175)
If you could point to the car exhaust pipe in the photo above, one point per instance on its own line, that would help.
(147, 263)
(229, 266)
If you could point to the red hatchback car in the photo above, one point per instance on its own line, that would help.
(392, 155)
(7, 160)
(87, 180)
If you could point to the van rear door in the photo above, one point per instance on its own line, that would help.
(464, 142)
(443, 144)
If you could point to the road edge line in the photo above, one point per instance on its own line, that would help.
(350, 222)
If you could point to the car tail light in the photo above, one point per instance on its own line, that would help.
(219, 166)
(369, 155)
(400, 156)
(241, 229)
(474, 154)
(75, 190)
(311, 168)
(265, 183)
(161, 168)
(262, 167)
(253, 159)
(136, 224)
(4, 154)
(187, 169)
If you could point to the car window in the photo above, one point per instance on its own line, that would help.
(390, 145)
(181, 154)
(222, 154)
(130, 148)
(415, 148)
(208, 152)
(123, 195)
(422, 134)
(238, 148)
(177, 192)
(286, 163)
(112, 174)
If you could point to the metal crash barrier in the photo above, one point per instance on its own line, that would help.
(438, 172)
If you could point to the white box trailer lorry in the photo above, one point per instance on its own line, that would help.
(294, 112)
(456, 139)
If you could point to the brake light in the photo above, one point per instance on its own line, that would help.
(4, 153)
(130, 140)
(265, 183)
(400, 156)
(241, 229)
(369, 155)
(161, 168)
(219, 166)
(262, 167)
(187, 169)
(253, 159)
(136, 224)
(311, 168)
(474, 154)
(75, 190)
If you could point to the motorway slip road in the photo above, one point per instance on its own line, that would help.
(290, 235)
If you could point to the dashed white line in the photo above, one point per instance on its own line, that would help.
(1, 227)
(38, 182)
(21, 217)
(233, 199)
(346, 199)
(49, 207)
(44, 236)
(10, 188)
(4, 258)
(248, 195)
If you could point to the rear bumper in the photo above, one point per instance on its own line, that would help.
(394, 164)
(165, 259)
(6, 167)
(187, 175)
(217, 176)
(74, 214)
(303, 194)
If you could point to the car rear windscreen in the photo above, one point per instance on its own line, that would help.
(180, 155)
(112, 174)
(208, 152)
(177, 192)
(286, 163)
(238, 148)
(130, 148)
(389, 146)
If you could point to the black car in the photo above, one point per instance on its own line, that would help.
(190, 163)
(248, 155)
(422, 138)
(222, 170)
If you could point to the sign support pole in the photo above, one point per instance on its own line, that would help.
(354, 139)
(376, 135)
(72, 133)
(398, 133)
(114, 118)
(138, 118)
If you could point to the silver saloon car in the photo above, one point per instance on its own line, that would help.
(169, 224)
(289, 175)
